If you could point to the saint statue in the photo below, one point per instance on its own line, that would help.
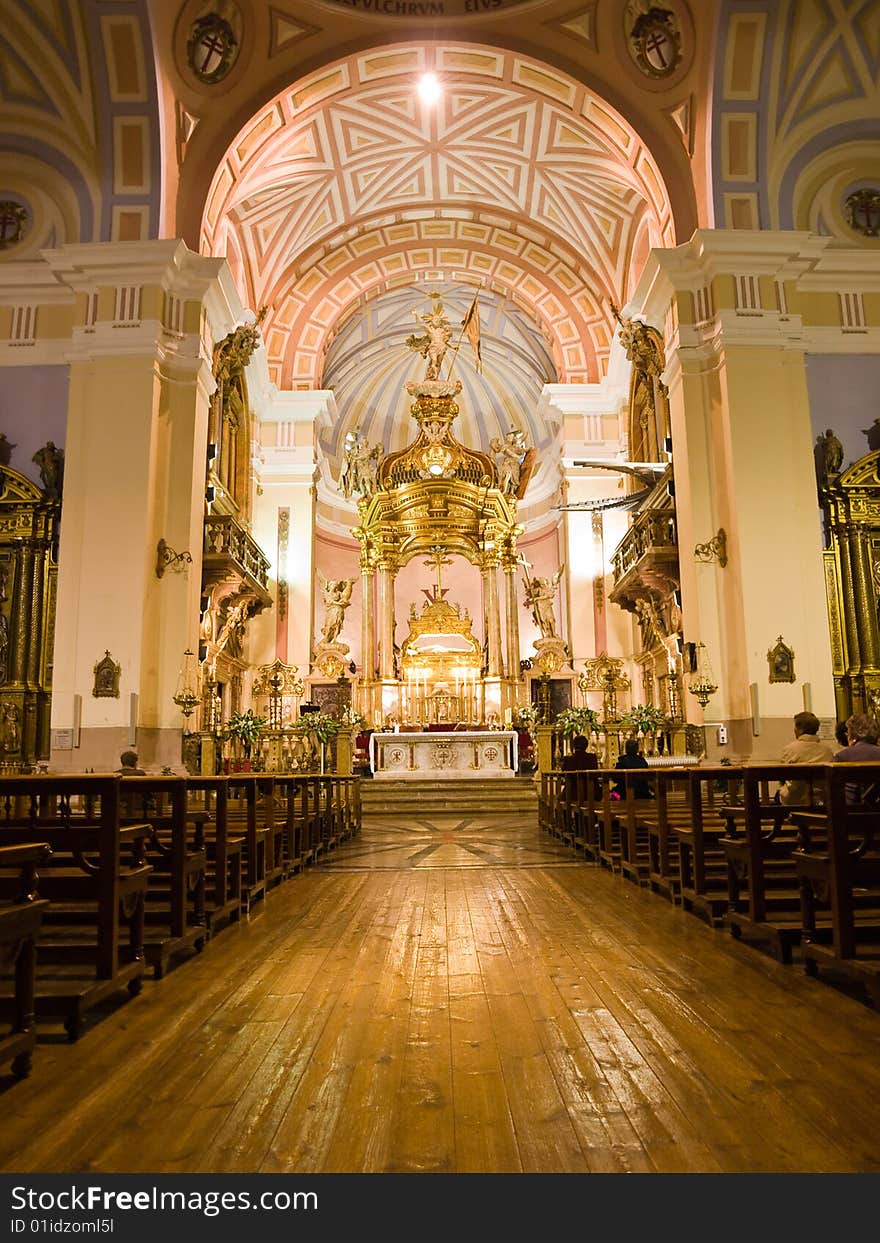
(337, 597)
(540, 596)
(829, 455)
(511, 451)
(360, 470)
(50, 460)
(10, 729)
(435, 341)
(642, 346)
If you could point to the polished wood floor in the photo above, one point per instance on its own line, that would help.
(459, 995)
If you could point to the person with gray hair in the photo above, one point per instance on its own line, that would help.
(862, 732)
(806, 749)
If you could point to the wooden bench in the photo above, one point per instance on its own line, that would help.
(697, 826)
(93, 891)
(174, 915)
(223, 851)
(246, 819)
(21, 913)
(764, 904)
(838, 866)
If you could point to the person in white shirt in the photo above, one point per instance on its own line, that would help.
(806, 749)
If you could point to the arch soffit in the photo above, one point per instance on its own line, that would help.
(315, 295)
(282, 186)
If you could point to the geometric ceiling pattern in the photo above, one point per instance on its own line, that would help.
(368, 365)
(79, 141)
(519, 180)
(797, 113)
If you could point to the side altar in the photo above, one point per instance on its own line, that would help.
(471, 753)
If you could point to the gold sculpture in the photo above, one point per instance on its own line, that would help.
(434, 342)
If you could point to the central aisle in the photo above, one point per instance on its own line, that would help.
(456, 994)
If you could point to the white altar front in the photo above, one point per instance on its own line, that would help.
(492, 753)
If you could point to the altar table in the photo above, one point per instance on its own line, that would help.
(471, 753)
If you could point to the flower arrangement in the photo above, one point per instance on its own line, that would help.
(574, 721)
(352, 719)
(244, 728)
(523, 717)
(643, 719)
(324, 727)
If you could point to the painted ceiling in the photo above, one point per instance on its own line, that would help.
(368, 365)
(519, 179)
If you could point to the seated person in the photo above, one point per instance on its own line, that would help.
(806, 749)
(133, 806)
(577, 761)
(129, 762)
(631, 758)
(862, 733)
(580, 757)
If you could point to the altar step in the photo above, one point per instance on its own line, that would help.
(492, 796)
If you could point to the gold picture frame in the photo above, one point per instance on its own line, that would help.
(781, 661)
(107, 674)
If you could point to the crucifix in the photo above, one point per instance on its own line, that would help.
(437, 560)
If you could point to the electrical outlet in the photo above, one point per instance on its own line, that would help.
(722, 735)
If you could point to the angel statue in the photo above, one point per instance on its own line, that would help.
(540, 595)
(337, 597)
(511, 450)
(433, 344)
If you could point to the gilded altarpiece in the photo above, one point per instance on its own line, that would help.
(235, 570)
(851, 504)
(645, 562)
(29, 522)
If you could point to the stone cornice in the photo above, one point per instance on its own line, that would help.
(812, 262)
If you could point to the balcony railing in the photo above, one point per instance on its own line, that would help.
(226, 541)
(652, 534)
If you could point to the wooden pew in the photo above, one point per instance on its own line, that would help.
(611, 817)
(635, 861)
(92, 889)
(174, 916)
(698, 827)
(223, 851)
(764, 903)
(246, 819)
(273, 823)
(351, 799)
(838, 866)
(21, 913)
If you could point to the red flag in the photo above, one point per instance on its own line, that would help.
(471, 328)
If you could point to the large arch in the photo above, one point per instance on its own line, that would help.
(521, 176)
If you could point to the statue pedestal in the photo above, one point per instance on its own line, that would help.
(550, 654)
(331, 659)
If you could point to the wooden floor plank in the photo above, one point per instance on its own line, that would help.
(461, 996)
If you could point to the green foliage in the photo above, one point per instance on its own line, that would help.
(324, 727)
(643, 719)
(244, 727)
(574, 721)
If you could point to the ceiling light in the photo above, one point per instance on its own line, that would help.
(429, 88)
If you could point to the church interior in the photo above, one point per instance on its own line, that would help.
(392, 395)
